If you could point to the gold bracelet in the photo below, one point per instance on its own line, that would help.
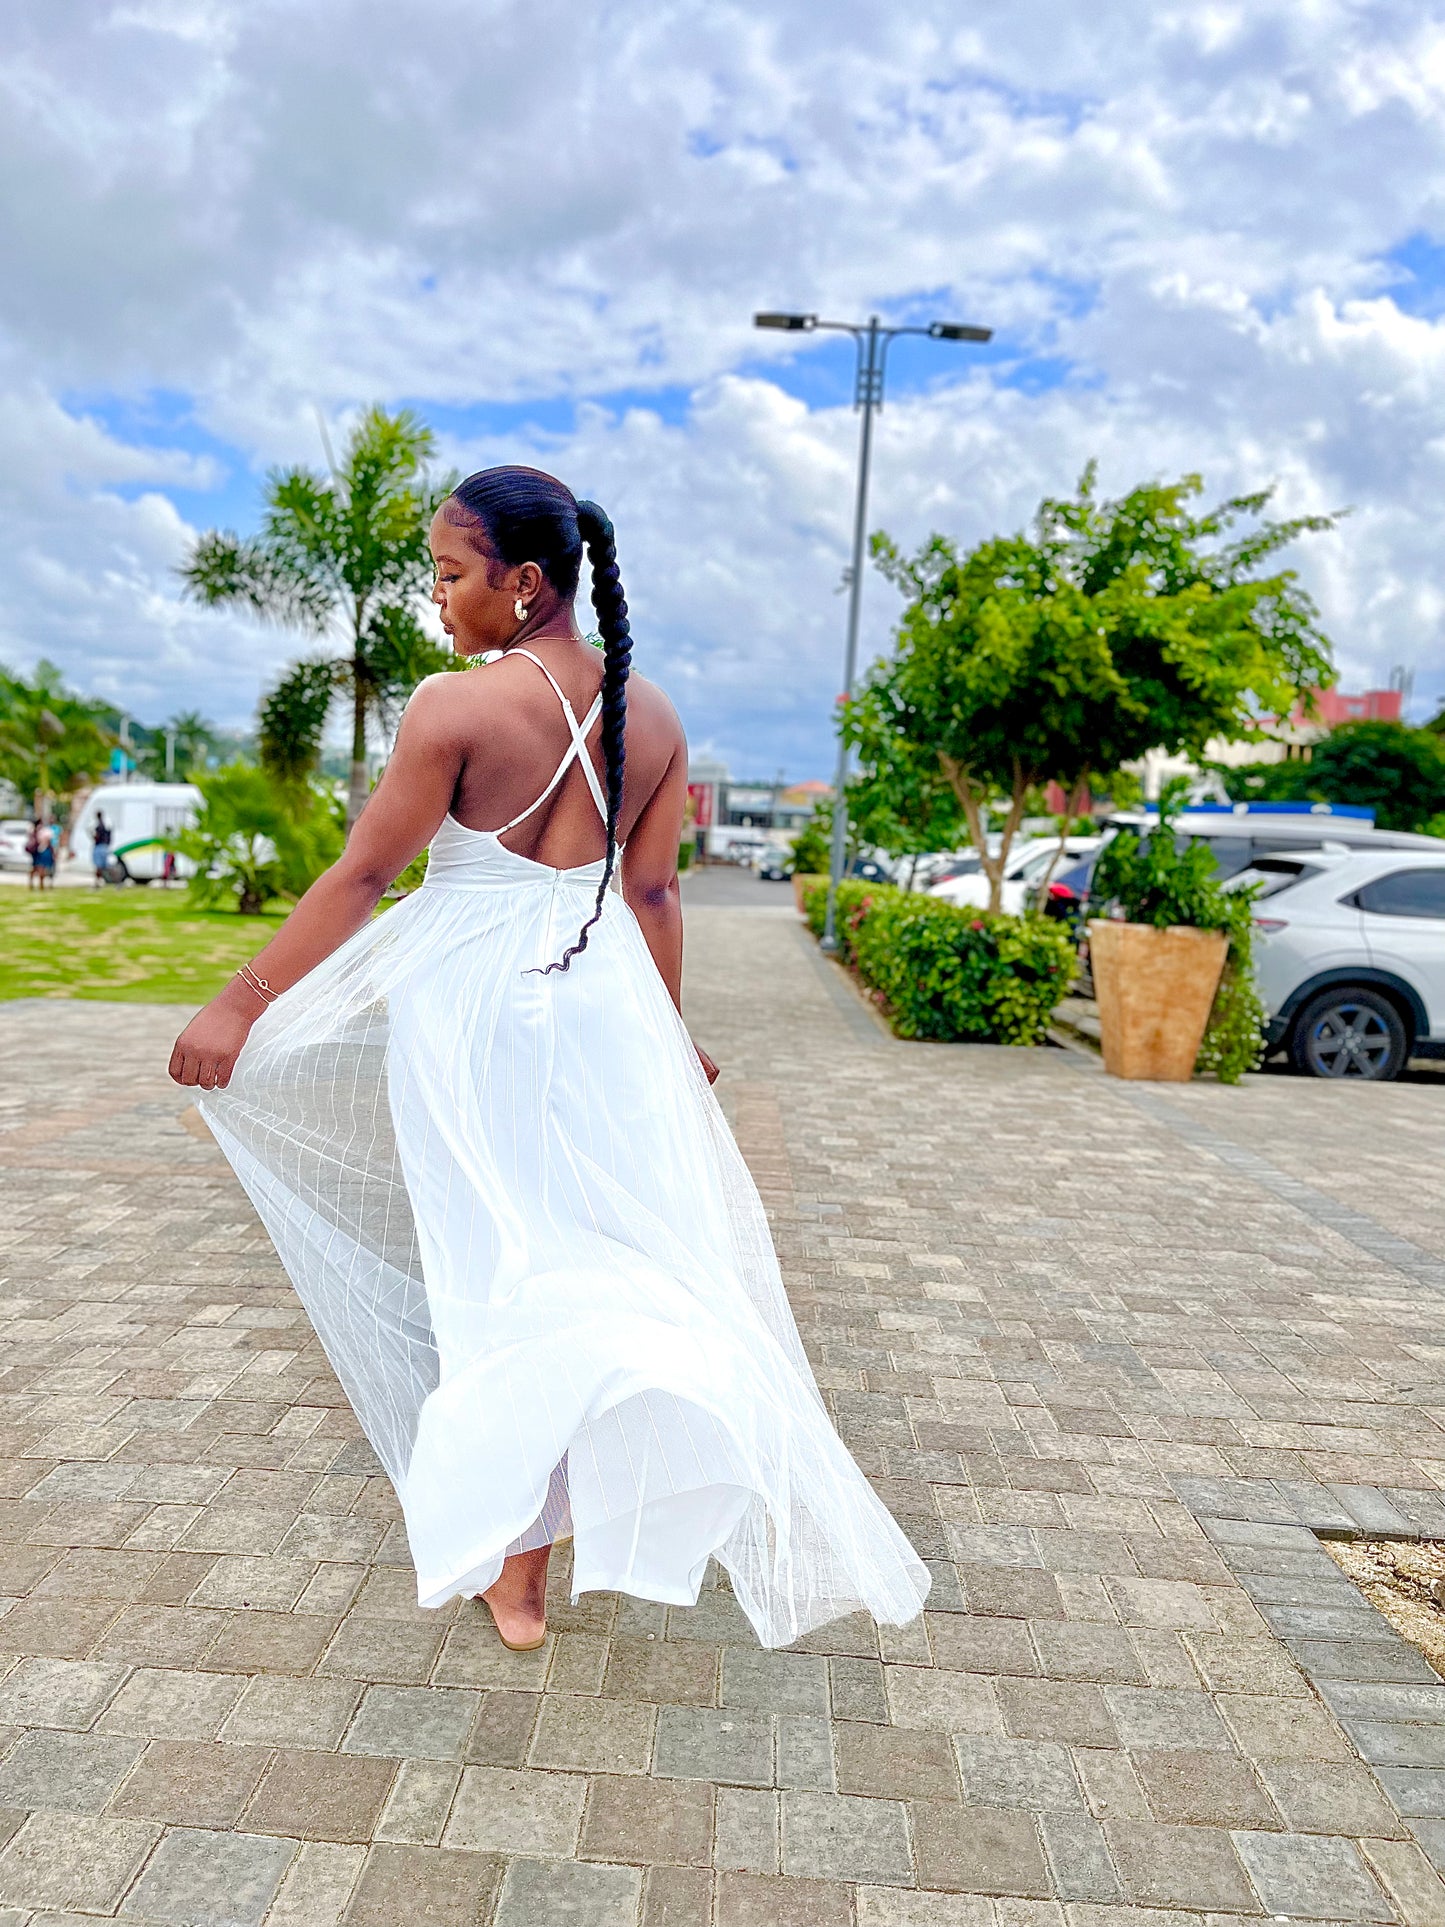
(257, 983)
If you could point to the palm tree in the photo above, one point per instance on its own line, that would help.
(52, 742)
(344, 554)
(193, 741)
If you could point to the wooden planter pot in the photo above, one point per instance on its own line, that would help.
(1154, 989)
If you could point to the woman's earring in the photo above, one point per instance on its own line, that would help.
(519, 609)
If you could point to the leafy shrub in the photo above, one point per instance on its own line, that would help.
(813, 845)
(945, 973)
(1154, 880)
(255, 839)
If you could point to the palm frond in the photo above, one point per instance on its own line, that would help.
(396, 654)
(293, 717)
(333, 548)
(267, 578)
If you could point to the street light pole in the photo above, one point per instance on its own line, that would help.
(872, 339)
(868, 395)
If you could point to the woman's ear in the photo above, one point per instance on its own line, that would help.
(529, 582)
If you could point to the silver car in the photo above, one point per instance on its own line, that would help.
(14, 835)
(1350, 956)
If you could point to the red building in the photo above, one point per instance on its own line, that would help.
(1333, 706)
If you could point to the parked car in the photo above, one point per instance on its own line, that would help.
(1236, 840)
(14, 835)
(930, 871)
(1350, 956)
(1027, 865)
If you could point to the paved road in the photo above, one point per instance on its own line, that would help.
(726, 886)
(1111, 1354)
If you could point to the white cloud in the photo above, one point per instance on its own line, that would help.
(260, 208)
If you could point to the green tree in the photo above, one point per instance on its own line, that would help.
(1112, 627)
(346, 555)
(52, 742)
(899, 801)
(1397, 771)
(254, 840)
(195, 742)
(1286, 782)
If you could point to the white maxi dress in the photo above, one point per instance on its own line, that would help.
(520, 1225)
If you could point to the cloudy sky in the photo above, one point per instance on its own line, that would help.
(1209, 236)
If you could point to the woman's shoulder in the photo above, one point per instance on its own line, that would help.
(648, 700)
(439, 698)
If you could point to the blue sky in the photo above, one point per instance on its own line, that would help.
(820, 372)
(1207, 239)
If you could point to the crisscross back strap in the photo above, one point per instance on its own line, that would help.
(576, 751)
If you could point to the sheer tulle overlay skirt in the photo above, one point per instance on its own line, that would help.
(515, 1214)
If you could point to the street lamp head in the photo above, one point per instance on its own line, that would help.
(958, 331)
(794, 323)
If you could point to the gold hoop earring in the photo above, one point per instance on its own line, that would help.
(519, 609)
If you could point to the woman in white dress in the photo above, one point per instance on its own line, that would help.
(489, 1155)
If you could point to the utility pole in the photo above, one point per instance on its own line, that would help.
(872, 340)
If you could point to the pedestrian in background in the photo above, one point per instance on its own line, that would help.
(40, 847)
(100, 842)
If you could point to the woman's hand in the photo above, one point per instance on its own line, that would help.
(709, 1070)
(205, 1053)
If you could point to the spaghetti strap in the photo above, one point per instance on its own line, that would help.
(576, 752)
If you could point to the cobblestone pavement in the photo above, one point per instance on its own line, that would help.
(1114, 1355)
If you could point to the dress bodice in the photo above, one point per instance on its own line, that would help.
(460, 858)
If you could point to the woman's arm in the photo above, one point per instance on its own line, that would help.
(649, 881)
(399, 820)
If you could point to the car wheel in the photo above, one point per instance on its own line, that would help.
(1349, 1032)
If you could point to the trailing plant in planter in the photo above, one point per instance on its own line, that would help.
(1150, 881)
(944, 973)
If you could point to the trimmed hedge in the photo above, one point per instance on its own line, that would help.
(945, 973)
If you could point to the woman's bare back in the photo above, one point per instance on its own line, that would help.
(515, 734)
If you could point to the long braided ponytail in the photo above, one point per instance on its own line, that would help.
(524, 515)
(611, 607)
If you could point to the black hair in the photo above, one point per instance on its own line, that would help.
(527, 516)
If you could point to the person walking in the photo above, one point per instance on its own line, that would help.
(40, 846)
(489, 1154)
(101, 838)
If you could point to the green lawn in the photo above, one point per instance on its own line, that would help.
(137, 946)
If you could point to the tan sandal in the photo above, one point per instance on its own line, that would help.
(526, 1646)
(512, 1645)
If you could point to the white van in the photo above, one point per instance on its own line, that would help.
(139, 815)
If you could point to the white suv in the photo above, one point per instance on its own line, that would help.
(1029, 861)
(1350, 957)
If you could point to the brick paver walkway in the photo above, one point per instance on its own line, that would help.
(1111, 1353)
